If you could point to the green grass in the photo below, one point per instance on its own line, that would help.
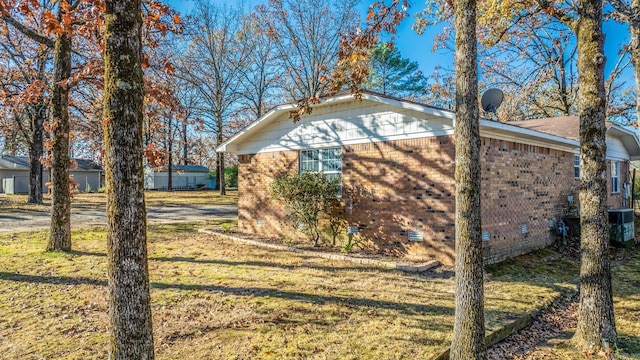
(216, 299)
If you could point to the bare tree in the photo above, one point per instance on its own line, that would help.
(263, 75)
(629, 12)
(213, 64)
(23, 85)
(306, 35)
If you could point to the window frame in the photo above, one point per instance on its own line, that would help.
(615, 179)
(321, 162)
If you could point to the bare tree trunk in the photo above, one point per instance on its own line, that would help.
(60, 236)
(185, 146)
(596, 322)
(130, 335)
(217, 185)
(170, 168)
(223, 188)
(468, 329)
(36, 151)
(220, 170)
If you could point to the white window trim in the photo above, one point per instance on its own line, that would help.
(577, 166)
(321, 164)
(615, 180)
(321, 161)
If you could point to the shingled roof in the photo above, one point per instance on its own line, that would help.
(563, 126)
(22, 163)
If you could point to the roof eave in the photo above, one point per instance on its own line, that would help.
(629, 139)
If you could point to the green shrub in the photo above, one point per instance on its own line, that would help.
(307, 197)
(231, 176)
(226, 227)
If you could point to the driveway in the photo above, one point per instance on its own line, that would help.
(38, 220)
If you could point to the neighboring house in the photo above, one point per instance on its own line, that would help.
(396, 159)
(14, 175)
(183, 177)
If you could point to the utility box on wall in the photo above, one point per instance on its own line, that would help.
(621, 226)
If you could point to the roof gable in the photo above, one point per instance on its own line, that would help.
(277, 119)
(275, 130)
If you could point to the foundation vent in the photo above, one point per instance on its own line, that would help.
(415, 235)
(352, 230)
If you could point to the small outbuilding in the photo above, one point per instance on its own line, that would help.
(14, 175)
(183, 177)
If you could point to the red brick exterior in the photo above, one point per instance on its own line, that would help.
(396, 186)
(522, 185)
(390, 188)
(257, 213)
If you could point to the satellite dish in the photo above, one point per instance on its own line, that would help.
(491, 100)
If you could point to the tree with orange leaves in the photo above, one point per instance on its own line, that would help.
(65, 24)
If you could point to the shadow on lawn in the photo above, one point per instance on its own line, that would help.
(407, 308)
(272, 265)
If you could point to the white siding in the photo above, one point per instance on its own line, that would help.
(616, 149)
(82, 178)
(179, 181)
(345, 123)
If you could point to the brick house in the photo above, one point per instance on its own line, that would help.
(396, 159)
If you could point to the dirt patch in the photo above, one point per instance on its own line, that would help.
(357, 252)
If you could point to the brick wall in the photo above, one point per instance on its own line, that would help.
(390, 188)
(522, 185)
(396, 186)
(257, 213)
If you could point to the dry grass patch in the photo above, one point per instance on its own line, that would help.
(97, 201)
(214, 299)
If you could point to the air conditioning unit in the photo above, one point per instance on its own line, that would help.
(621, 225)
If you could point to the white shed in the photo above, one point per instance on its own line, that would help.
(183, 177)
(14, 175)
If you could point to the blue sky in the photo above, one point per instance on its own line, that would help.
(419, 47)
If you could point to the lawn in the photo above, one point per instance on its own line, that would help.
(95, 201)
(216, 299)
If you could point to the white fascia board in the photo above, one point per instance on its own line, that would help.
(502, 131)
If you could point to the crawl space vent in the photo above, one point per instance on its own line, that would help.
(415, 235)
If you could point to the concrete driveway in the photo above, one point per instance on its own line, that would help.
(38, 220)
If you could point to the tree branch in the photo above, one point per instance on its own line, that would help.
(32, 34)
